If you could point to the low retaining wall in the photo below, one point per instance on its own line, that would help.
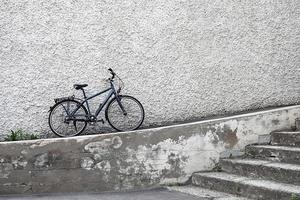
(132, 160)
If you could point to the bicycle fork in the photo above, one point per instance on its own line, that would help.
(118, 99)
(120, 104)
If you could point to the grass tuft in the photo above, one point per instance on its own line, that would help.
(20, 135)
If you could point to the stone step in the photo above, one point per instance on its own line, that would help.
(247, 187)
(274, 153)
(298, 124)
(286, 138)
(282, 172)
(204, 194)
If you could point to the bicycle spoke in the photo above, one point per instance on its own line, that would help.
(134, 114)
(74, 122)
(62, 123)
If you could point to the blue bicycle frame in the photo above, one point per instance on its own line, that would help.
(112, 92)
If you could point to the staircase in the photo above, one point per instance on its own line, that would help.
(265, 172)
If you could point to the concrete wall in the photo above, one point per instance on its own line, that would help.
(133, 160)
(183, 59)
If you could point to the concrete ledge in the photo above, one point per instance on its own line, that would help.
(132, 160)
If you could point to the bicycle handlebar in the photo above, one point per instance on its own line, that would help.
(112, 73)
(112, 79)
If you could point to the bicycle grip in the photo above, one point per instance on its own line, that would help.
(110, 69)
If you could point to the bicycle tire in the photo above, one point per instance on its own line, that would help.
(54, 109)
(113, 102)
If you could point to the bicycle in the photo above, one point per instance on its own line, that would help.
(69, 116)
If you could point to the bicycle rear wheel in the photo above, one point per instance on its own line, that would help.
(134, 113)
(62, 123)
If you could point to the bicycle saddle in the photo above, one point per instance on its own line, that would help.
(80, 86)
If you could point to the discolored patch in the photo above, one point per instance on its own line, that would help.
(231, 138)
(227, 135)
(275, 122)
(116, 142)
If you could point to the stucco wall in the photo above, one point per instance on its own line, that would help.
(132, 160)
(182, 59)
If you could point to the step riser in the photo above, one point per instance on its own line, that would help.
(285, 139)
(203, 193)
(240, 189)
(264, 172)
(298, 124)
(277, 155)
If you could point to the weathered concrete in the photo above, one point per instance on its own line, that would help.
(264, 139)
(286, 138)
(267, 170)
(205, 193)
(298, 124)
(132, 160)
(248, 187)
(161, 194)
(262, 173)
(183, 59)
(275, 153)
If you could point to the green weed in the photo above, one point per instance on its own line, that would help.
(294, 197)
(20, 135)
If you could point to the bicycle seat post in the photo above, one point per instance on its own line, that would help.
(84, 95)
(87, 103)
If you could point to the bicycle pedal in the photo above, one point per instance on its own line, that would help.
(100, 120)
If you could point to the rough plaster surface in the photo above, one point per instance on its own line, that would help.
(132, 160)
(182, 59)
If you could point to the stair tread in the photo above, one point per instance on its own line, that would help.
(287, 132)
(271, 185)
(265, 163)
(275, 147)
(204, 193)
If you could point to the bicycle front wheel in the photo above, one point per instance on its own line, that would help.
(131, 120)
(62, 123)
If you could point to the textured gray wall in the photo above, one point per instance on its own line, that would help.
(182, 59)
